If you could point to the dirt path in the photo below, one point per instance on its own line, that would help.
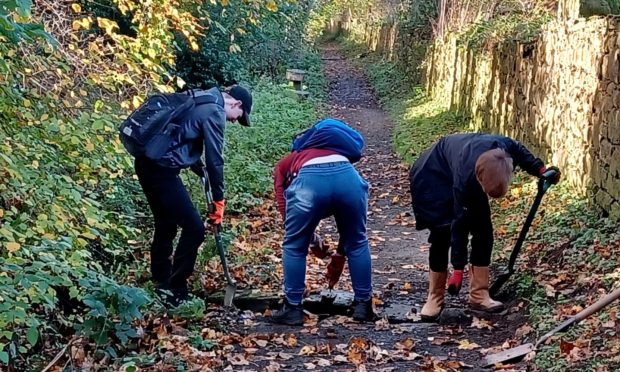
(398, 341)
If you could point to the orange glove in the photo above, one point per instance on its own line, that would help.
(216, 217)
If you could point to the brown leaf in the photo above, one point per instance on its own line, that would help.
(291, 341)
(566, 347)
(408, 344)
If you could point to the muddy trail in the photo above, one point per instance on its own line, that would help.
(330, 340)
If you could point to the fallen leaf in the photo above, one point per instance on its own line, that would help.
(307, 350)
(566, 347)
(309, 365)
(340, 359)
(466, 345)
(407, 344)
(238, 360)
(261, 343)
(291, 341)
(323, 362)
(481, 323)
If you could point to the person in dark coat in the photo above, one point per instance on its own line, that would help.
(450, 185)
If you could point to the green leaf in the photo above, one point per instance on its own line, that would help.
(32, 335)
(24, 8)
(4, 357)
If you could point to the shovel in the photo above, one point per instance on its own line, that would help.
(543, 185)
(231, 287)
(517, 353)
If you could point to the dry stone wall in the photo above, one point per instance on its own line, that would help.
(559, 95)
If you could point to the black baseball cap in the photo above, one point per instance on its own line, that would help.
(241, 94)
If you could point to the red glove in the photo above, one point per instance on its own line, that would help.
(216, 217)
(334, 269)
(455, 282)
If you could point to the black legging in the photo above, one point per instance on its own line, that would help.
(481, 247)
(172, 208)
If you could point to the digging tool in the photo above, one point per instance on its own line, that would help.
(544, 184)
(231, 287)
(517, 353)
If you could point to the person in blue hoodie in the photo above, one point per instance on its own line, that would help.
(202, 132)
(451, 183)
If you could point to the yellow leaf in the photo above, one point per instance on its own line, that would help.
(271, 5)
(194, 45)
(35, 164)
(76, 25)
(13, 246)
(44, 117)
(1, 213)
(76, 7)
(89, 236)
(224, 2)
(136, 101)
(466, 345)
(90, 147)
(48, 236)
(27, 103)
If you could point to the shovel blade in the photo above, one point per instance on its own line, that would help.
(511, 355)
(229, 295)
(499, 282)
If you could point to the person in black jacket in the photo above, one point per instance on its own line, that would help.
(202, 131)
(450, 185)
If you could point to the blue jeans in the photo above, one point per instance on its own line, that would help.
(320, 191)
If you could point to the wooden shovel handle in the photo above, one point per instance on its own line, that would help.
(598, 305)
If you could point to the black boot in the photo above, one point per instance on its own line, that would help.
(289, 314)
(362, 311)
(172, 296)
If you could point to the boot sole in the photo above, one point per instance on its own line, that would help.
(289, 323)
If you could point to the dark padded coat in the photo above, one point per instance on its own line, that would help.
(444, 187)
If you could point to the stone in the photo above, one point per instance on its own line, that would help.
(613, 129)
(614, 211)
(603, 198)
(614, 165)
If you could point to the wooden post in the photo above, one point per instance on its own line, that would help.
(297, 77)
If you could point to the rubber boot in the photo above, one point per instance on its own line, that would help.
(479, 298)
(455, 282)
(362, 311)
(436, 296)
(289, 314)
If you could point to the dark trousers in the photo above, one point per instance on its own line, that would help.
(440, 240)
(172, 208)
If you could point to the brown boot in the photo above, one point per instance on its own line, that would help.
(479, 298)
(436, 293)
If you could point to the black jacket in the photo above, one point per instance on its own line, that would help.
(202, 130)
(443, 182)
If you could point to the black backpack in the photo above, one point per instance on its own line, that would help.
(150, 130)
